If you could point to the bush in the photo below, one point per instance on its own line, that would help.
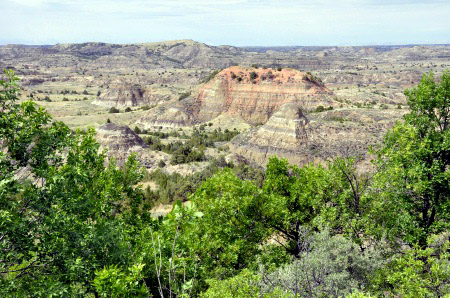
(253, 75)
(319, 109)
(147, 107)
(114, 110)
(128, 109)
(322, 109)
(329, 266)
(65, 99)
(210, 76)
(245, 284)
(184, 95)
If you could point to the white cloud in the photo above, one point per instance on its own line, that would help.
(238, 22)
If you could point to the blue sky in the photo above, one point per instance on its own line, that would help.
(232, 22)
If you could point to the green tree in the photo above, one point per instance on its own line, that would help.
(413, 184)
(63, 214)
(227, 238)
(292, 198)
(417, 272)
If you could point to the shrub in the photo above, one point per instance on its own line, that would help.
(147, 107)
(114, 110)
(128, 109)
(137, 130)
(253, 75)
(210, 76)
(329, 266)
(184, 95)
(319, 109)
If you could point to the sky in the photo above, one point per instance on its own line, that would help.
(227, 22)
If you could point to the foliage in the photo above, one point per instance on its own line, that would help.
(72, 224)
(210, 76)
(193, 148)
(328, 266)
(315, 196)
(227, 239)
(184, 95)
(62, 212)
(413, 183)
(173, 187)
(418, 272)
(320, 109)
(253, 75)
(111, 281)
(245, 284)
(114, 110)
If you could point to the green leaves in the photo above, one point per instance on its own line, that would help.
(63, 214)
(417, 272)
(111, 281)
(413, 182)
(226, 237)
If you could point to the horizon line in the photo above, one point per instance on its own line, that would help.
(237, 46)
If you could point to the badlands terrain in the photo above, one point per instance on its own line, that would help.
(180, 105)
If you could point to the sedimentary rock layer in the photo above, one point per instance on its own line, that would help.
(316, 137)
(251, 94)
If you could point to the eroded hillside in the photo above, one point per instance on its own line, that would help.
(303, 103)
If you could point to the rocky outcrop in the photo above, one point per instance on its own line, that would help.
(251, 94)
(170, 115)
(122, 94)
(316, 137)
(119, 138)
(255, 94)
(121, 142)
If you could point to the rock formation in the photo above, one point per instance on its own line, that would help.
(255, 94)
(251, 94)
(121, 142)
(315, 137)
(122, 94)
